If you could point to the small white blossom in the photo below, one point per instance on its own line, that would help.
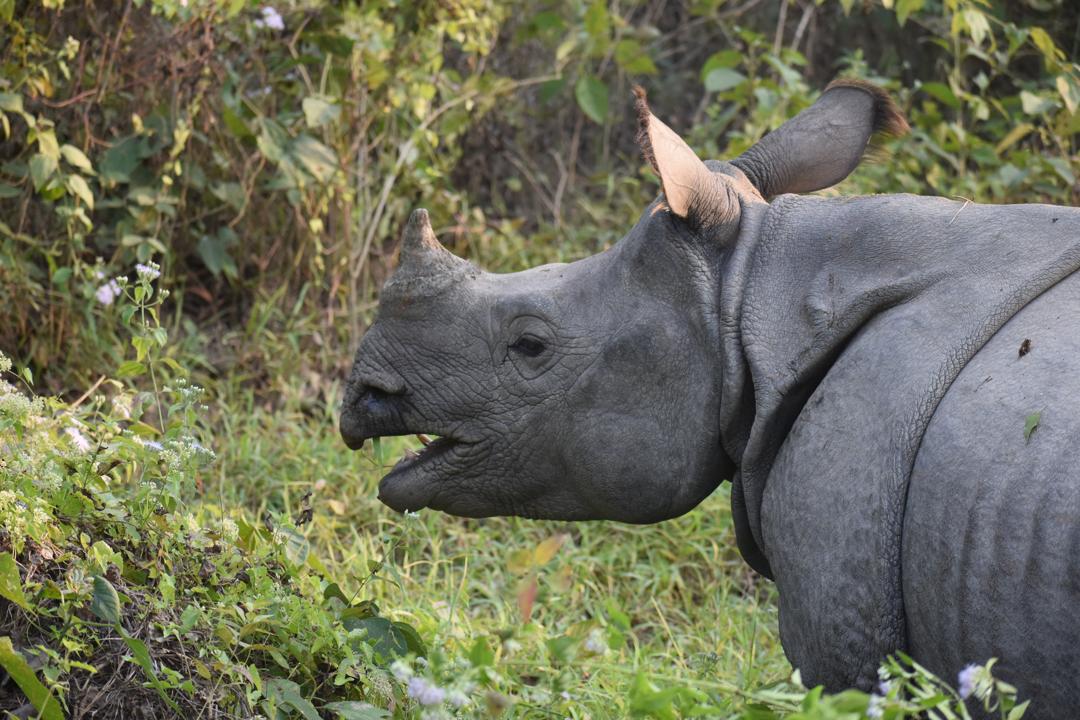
(78, 439)
(401, 670)
(424, 691)
(966, 680)
(270, 19)
(595, 644)
(457, 698)
(108, 292)
(229, 530)
(5, 363)
(152, 445)
(876, 708)
(150, 271)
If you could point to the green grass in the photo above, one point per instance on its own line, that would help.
(697, 613)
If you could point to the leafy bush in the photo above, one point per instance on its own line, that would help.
(258, 160)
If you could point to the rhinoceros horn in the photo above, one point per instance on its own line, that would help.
(423, 263)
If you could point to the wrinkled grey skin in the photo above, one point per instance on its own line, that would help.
(851, 364)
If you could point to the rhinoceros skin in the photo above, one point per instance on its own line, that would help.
(853, 365)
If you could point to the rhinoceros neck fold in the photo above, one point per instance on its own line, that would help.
(850, 319)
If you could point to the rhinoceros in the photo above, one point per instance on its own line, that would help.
(891, 383)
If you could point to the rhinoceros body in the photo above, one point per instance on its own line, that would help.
(886, 483)
(864, 370)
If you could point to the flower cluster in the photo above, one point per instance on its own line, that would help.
(966, 679)
(150, 271)
(108, 292)
(271, 19)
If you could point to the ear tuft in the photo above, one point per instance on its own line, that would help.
(889, 121)
(641, 105)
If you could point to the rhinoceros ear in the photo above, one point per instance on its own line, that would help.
(821, 145)
(691, 190)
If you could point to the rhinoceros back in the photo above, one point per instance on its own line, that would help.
(991, 552)
(858, 316)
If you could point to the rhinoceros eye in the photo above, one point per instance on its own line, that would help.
(528, 346)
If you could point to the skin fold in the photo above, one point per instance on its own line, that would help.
(827, 356)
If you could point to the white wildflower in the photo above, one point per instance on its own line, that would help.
(457, 698)
(965, 680)
(5, 363)
(424, 691)
(152, 445)
(401, 670)
(270, 19)
(229, 530)
(876, 708)
(594, 643)
(280, 537)
(150, 271)
(78, 439)
(108, 292)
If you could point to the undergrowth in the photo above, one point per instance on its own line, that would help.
(145, 575)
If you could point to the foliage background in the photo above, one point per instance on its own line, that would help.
(266, 155)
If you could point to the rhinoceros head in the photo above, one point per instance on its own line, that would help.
(591, 389)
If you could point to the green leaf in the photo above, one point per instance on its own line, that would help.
(76, 158)
(481, 654)
(316, 158)
(1042, 40)
(977, 25)
(142, 658)
(214, 252)
(722, 59)
(633, 58)
(131, 368)
(48, 707)
(319, 111)
(47, 145)
(105, 603)
(1069, 90)
(7, 10)
(286, 692)
(119, 161)
(42, 168)
(1031, 423)
(61, 276)
(1034, 104)
(296, 546)
(79, 187)
(10, 583)
(721, 79)
(597, 20)
(941, 92)
(905, 8)
(592, 97)
(413, 641)
(387, 640)
(7, 191)
(10, 102)
(1014, 136)
(352, 710)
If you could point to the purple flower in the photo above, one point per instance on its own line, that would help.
(150, 272)
(876, 707)
(966, 680)
(108, 292)
(424, 692)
